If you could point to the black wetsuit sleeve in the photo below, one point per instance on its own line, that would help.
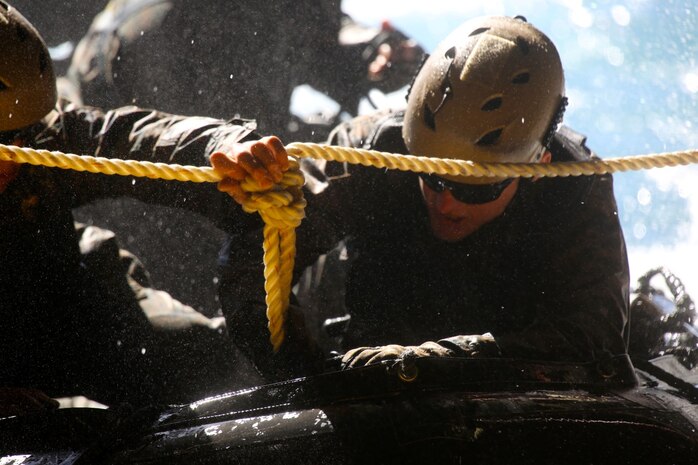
(584, 312)
(578, 289)
(577, 279)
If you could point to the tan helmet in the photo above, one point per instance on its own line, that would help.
(27, 80)
(492, 91)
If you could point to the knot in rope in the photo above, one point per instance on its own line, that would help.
(282, 207)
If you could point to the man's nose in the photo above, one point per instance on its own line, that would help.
(445, 202)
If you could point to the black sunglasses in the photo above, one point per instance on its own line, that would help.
(466, 193)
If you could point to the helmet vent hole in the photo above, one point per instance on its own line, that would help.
(490, 138)
(22, 33)
(429, 118)
(479, 30)
(44, 62)
(521, 78)
(3, 86)
(522, 44)
(492, 104)
(450, 53)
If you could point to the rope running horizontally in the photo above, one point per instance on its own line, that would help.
(282, 206)
(470, 168)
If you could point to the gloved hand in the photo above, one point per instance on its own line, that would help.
(458, 346)
(363, 356)
(396, 56)
(8, 171)
(265, 160)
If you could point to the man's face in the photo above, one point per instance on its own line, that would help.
(452, 220)
(8, 171)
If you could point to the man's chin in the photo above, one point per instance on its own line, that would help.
(450, 230)
(4, 182)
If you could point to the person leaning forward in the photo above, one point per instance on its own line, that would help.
(161, 54)
(71, 324)
(478, 267)
(149, 52)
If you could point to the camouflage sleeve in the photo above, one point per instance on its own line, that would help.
(146, 135)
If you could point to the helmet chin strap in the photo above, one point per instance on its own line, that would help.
(419, 68)
(555, 122)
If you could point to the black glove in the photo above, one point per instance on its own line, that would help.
(458, 346)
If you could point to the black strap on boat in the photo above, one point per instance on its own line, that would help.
(428, 374)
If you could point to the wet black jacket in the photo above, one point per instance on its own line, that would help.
(59, 323)
(549, 278)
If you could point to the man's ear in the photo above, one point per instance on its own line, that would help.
(546, 157)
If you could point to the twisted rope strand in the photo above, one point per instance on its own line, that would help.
(273, 287)
(143, 169)
(282, 207)
(469, 168)
(354, 156)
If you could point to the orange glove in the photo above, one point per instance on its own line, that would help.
(265, 160)
(8, 171)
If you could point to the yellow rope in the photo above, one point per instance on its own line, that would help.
(354, 156)
(282, 206)
(475, 169)
(101, 165)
